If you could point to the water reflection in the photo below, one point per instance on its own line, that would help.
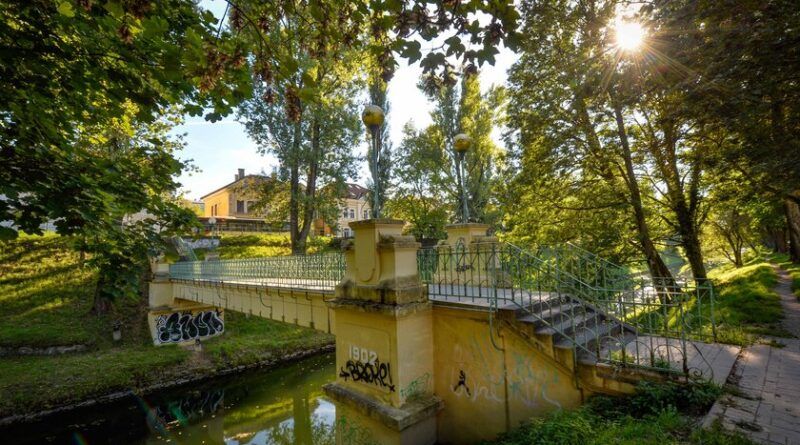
(285, 406)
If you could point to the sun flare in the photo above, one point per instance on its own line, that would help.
(629, 35)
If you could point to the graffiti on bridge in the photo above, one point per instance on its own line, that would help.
(418, 387)
(477, 375)
(183, 326)
(373, 373)
(462, 382)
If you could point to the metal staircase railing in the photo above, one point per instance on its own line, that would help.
(184, 250)
(601, 310)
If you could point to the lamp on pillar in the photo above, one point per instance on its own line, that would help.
(461, 145)
(373, 118)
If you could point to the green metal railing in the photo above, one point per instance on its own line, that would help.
(311, 272)
(584, 300)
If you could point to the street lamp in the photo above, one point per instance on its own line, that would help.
(462, 144)
(373, 117)
(213, 223)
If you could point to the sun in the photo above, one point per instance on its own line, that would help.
(629, 35)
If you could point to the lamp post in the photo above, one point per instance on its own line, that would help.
(461, 145)
(213, 223)
(373, 117)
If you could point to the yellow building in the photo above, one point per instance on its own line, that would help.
(233, 206)
(353, 206)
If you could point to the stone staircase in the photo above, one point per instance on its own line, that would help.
(578, 336)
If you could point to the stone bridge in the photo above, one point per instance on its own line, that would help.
(452, 345)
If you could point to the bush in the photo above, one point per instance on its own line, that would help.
(559, 428)
(658, 414)
(654, 398)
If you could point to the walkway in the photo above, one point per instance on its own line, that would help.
(766, 409)
(789, 301)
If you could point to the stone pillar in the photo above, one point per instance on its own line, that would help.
(165, 311)
(482, 265)
(384, 341)
(467, 233)
(160, 287)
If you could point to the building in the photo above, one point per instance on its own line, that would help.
(354, 206)
(233, 206)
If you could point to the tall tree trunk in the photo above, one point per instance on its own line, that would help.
(690, 241)
(792, 211)
(658, 269)
(294, 194)
(309, 203)
(684, 205)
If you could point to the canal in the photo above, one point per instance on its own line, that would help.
(279, 406)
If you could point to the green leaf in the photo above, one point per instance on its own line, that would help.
(115, 9)
(412, 51)
(65, 9)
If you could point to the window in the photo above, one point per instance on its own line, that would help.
(239, 206)
(346, 232)
(214, 210)
(249, 208)
(366, 214)
(344, 213)
(352, 214)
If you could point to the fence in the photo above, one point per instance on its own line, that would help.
(312, 272)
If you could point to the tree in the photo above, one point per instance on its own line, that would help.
(416, 196)
(83, 135)
(114, 156)
(385, 30)
(740, 66)
(566, 105)
(462, 108)
(313, 148)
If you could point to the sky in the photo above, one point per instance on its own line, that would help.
(219, 149)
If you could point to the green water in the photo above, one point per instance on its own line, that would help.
(283, 406)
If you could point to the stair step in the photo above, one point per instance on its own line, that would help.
(567, 324)
(536, 305)
(556, 315)
(587, 336)
(570, 309)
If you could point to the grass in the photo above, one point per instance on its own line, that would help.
(745, 307)
(656, 414)
(45, 295)
(257, 245)
(45, 299)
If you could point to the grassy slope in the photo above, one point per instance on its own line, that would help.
(657, 415)
(746, 306)
(45, 298)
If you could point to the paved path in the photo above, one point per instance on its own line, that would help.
(767, 407)
(789, 301)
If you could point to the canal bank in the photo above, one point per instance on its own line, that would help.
(283, 404)
(189, 376)
(45, 306)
